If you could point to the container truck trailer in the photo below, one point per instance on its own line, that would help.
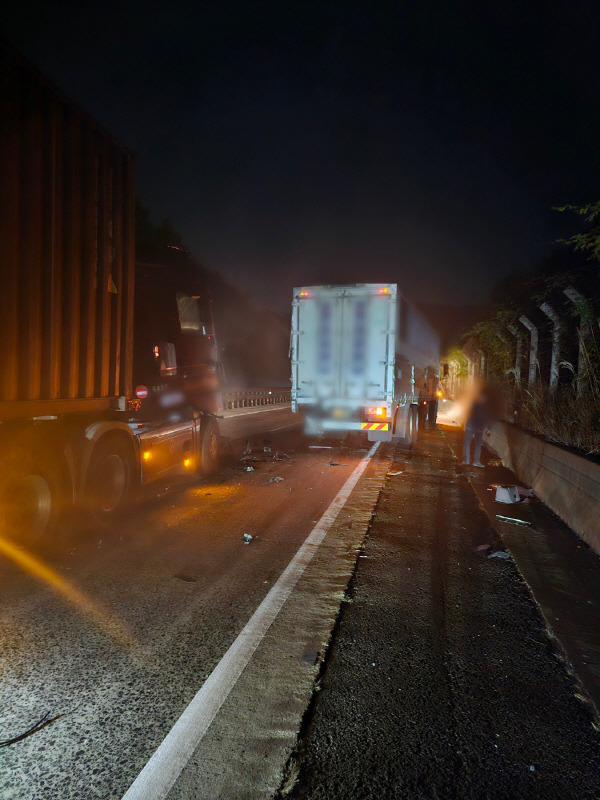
(363, 359)
(109, 376)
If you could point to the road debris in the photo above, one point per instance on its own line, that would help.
(42, 723)
(274, 480)
(507, 494)
(266, 449)
(248, 469)
(512, 520)
(500, 554)
(495, 462)
(393, 474)
(320, 447)
(247, 538)
(482, 548)
(336, 464)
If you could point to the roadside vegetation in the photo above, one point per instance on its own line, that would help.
(551, 387)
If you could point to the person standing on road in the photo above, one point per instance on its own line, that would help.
(477, 422)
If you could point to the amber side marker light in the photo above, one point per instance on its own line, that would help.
(304, 293)
(187, 462)
(147, 455)
(383, 290)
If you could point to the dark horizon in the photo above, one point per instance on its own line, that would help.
(338, 142)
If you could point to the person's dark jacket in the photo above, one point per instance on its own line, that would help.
(479, 417)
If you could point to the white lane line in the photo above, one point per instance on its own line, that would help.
(164, 767)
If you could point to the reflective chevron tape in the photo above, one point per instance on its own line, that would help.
(374, 426)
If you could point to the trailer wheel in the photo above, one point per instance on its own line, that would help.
(29, 499)
(209, 447)
(414, 423)
(109, 478)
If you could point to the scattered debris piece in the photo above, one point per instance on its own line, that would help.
(335, 464)
(500, 554)
(527, 493)
(507, 494)
(248, 469)
(495, 462)
(42, 723)
(320, 447)
(266, 449)
(274, 480)
(393, 474)
(247, 538)
(512, 520)
(482, 548)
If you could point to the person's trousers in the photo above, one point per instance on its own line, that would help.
(477, 436)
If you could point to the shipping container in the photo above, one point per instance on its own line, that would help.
(67, 261)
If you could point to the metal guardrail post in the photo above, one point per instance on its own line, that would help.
(585, 316)
(518, 352)
(533, 349)
(556, 334)
(252, 398)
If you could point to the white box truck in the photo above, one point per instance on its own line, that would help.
(363, 359)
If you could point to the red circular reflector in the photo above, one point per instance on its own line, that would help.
(141, 391)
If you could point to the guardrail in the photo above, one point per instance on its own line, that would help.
(248, 398)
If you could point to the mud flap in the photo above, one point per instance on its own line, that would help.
(379, 436)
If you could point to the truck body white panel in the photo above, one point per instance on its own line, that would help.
(359, 347)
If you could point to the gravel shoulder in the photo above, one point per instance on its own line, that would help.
(442, 679)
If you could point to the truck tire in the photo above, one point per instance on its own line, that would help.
(407, 434)
(109, 478)
(422, 414)
(210, 446)
(30, 497)
(415, 423)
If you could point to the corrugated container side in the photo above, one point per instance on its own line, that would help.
(67, 258)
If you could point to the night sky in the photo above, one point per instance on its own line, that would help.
(295, 142)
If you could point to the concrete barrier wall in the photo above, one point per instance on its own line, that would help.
(565, 482)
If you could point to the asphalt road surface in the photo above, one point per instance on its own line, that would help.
(443, 679)
(238, 424)
(114, 634)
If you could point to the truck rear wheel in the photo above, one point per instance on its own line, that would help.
(29, 500)
(109, 478)
(413, 417)
(209, 447)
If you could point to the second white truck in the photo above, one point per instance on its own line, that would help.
(363, 359)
